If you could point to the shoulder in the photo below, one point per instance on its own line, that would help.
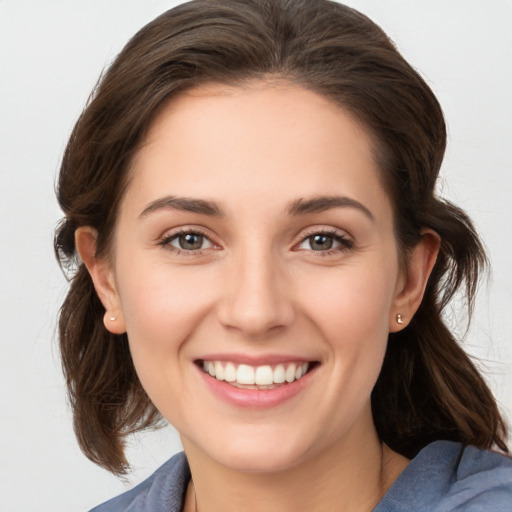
(448, 477)
(164, 490)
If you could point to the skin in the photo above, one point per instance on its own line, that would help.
(259, 287)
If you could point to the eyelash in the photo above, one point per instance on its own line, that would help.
(167, 239)
(345, 243)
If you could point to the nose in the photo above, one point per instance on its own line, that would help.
(256, 296)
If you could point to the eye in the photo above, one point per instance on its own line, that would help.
(325, 242)
(188, 241)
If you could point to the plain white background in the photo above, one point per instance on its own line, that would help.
(51, 54)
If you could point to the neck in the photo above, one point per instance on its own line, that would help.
(352, 476)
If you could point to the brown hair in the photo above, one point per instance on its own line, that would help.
(428, 388)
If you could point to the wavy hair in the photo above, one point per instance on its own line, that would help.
(428, 388)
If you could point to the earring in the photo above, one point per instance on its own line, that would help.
(112, 318)
(399, 319)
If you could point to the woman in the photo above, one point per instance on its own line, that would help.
(263, 262)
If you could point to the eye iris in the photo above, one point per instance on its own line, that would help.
(321, 242)
(191, 241)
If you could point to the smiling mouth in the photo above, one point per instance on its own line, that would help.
(262, 377)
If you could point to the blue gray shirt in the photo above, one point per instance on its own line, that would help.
(443, 477)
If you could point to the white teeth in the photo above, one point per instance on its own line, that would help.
(264, 376)
(230, 373)
(279, 374)
(290, 373)
(219, 371)
(259, 377)
(245, 374)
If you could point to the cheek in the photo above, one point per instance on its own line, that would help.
(163, 309)
(351, 304)
(347, 313)
(163, 306)
(350, 308)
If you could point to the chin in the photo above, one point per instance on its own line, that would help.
(253, 453)
(258, 461)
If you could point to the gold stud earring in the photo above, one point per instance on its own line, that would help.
(399, 319)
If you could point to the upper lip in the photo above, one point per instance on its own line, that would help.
(252, 360)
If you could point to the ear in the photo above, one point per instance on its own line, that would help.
(102, 275)
(412, 286)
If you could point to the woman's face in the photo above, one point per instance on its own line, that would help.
(255, 241)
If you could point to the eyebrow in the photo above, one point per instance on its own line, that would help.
(299, 207)
(185, 204)
(324, 203)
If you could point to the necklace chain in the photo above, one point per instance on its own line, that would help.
(195, 497)
(194, 487)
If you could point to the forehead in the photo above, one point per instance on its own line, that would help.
(271, 139)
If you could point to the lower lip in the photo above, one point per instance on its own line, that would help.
(255, 398)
